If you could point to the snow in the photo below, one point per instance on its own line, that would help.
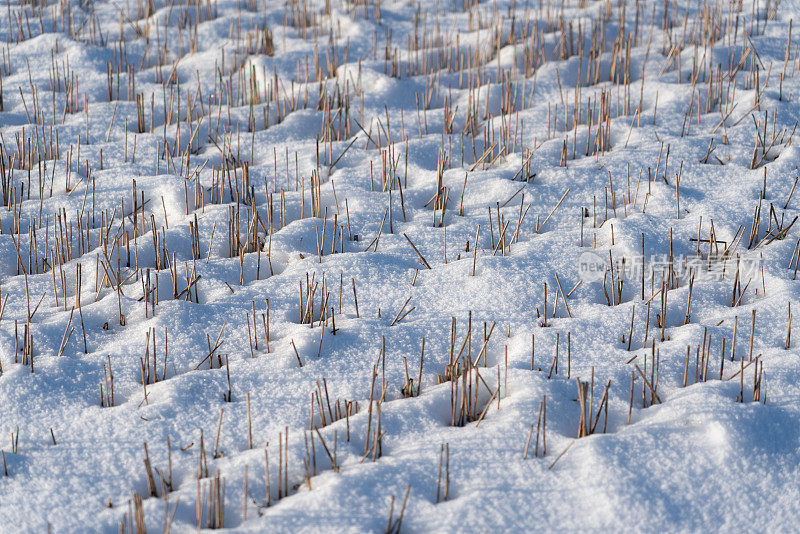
(693, 455)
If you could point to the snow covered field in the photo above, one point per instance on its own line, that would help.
(399, 266)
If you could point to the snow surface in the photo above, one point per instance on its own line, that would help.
(697, 460)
